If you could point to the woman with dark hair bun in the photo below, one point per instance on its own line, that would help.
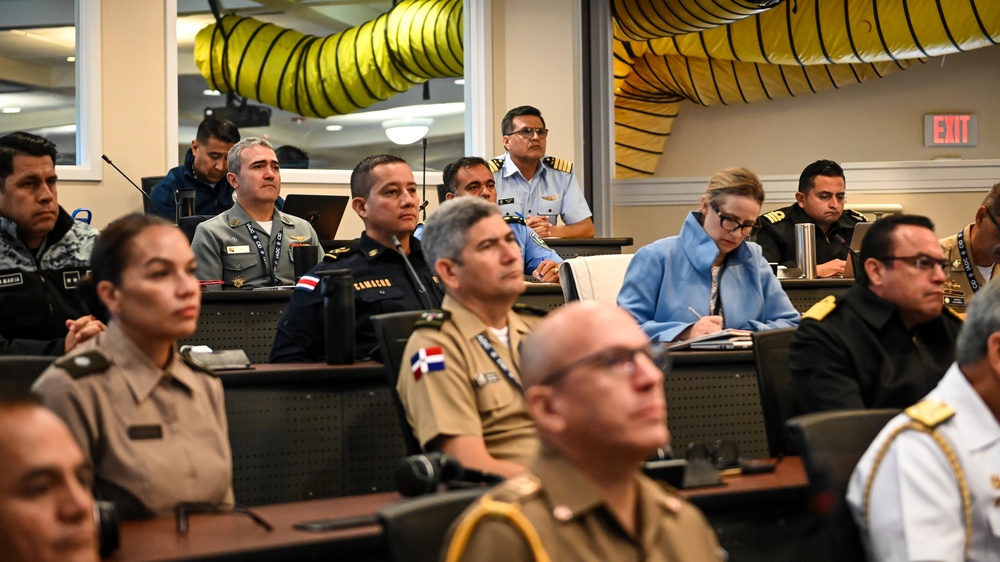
(152, 424)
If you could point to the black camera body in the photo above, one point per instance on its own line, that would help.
(108, 536)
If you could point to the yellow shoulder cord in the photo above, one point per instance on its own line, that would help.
(500, 510)
(949, 453)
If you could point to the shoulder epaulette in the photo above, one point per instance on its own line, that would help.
(930, 413)
(774, 216)
(820, 310)
(504, 504)
(432, 319)
(514, 219)
(521, 308)
(858, 217)
(334, 255)
(559, 164)
(90, 363)
(495, 164)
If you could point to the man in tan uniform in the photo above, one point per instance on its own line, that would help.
(973, 253)
(460, 382)
(595, 393)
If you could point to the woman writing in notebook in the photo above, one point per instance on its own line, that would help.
(709, 277)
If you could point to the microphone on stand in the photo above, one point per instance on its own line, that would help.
(421, 290)
(855, 258)
(108, 160)
(423, 194)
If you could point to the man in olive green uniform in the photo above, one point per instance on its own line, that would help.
(595, 392)
(460, 383)
(973, 254)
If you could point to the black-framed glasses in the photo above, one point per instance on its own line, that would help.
(921, 262)
(618, 361)
(528, 132)
(182, 509)
(731, 224)
(994, 221)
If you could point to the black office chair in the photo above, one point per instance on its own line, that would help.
(831, 444)
(415, 529)
(774, 381)
(392, 332)
(148, 183)
(18, 372)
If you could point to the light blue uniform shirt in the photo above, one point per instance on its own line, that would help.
(548, 192)
(534, 250)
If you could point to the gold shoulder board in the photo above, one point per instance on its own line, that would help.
(775, 216)
(930, 413)
(819, 310)
(495, 164)
(558, 164)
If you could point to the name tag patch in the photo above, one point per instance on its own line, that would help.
(71, 279)
(237, 249)
(483, 379)
(11, 279)
(141, 432)
(508, 201)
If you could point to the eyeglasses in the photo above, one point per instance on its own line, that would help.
(182, 509)
(731, 224)
(994, 221)
(618, 361)
(921, 262)
(528, 132)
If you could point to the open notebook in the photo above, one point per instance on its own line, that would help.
(724, 340)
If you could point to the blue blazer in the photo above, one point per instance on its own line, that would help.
(671, 274)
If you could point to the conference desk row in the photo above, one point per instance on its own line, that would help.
(770, 508)
(248, 319)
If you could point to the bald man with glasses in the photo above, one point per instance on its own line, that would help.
(973, 254)
(536, 187)
(888, 340)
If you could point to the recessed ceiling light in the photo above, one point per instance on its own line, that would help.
(12, 110)
(334, 128)
(211, 92)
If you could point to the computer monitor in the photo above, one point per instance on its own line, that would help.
(324, 212)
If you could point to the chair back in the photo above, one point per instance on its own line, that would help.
(774, 381)
(415, 529)
(593, 277)
(18, 372)
(831, 444)
(392, 332)
(148, 183)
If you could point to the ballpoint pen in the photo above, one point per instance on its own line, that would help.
(695, 312)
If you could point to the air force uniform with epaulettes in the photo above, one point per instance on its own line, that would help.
(534, 250)
(777, 235)
(381, 285)
(853, 352)
(154, 436)
(450, 384)
(916, 508)
(958, 289)
(573, 522)
(553, 190)
(225, 249)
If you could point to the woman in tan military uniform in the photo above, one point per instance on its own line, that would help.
(152, 425)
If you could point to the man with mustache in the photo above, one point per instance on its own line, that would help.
(460, 381)
(820, 201)
(384, 195)
(44, 254)
(594, 389)
(888, 340)
(250, 245)
(973, 254)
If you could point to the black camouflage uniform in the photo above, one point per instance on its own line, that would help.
(381, 285)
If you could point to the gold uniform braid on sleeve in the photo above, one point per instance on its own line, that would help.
(510, 512)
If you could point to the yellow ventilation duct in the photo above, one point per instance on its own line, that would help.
(339, 74)
(797, 47)
(652, 19)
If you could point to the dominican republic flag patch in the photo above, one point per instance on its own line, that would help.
(307, 283)
(426, 360)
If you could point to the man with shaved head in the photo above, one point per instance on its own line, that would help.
(46, 509)
(594, 388)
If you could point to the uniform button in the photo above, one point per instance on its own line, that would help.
(239, 266)
(381, 292)
(562, 513)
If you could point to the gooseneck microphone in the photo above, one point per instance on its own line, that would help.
(423, 194)
(855, 258)
(108, 160)
(421, 290)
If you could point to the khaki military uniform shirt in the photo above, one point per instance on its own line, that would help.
(958, 291)
(154, 437)
(470, 396)
(574, 523)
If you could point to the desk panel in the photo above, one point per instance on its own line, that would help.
(806, 292)
(569, 248)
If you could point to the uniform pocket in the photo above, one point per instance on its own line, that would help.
(376, 294)
(494, 395)
(240, 263)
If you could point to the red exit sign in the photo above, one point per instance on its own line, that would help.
(950, 130)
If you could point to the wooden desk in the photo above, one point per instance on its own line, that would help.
(575, 247)
(542, 295)
(234, 536)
